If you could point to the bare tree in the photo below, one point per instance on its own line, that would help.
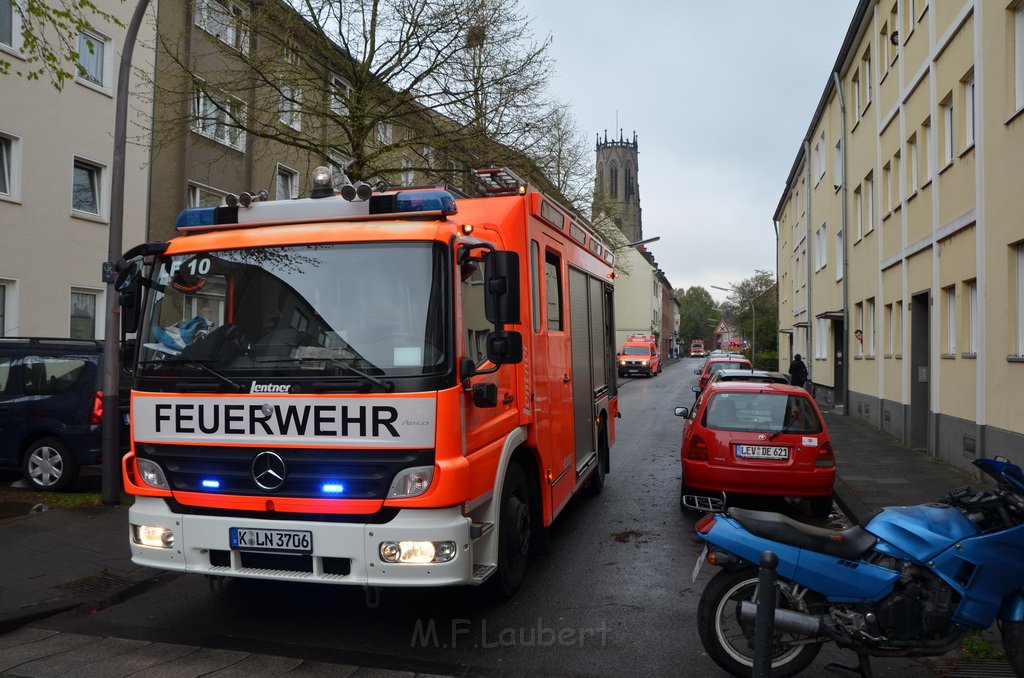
(49, 37)
(383, 86)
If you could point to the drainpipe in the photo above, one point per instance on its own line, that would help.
(845, 264)
(807, 263)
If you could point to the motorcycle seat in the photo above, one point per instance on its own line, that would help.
(850, 543)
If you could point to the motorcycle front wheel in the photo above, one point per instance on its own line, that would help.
(730, 641)
(1013, 645)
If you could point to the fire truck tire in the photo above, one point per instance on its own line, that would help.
(515, 523)
(596, 482)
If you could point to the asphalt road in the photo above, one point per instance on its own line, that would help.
(613, 597)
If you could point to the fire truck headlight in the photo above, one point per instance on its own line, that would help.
(644, 362)
(417, 552)
(152, 474)
(411, 482)
(154, 537)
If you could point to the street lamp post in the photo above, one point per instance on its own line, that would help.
(753, 323)
(110, 472)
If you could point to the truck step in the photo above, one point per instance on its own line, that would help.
(482, 572)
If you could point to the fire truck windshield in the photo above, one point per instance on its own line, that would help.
(352, 311)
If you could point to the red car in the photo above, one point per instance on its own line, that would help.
(724, 362)
(754, 438)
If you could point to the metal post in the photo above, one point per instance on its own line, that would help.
(112, 335)
(764, 622)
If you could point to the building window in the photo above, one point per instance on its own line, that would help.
(86, 187)
(897, 321)
(10, 167)
(613, 181)
(837, 165)
(92, 59)
(291, 104)
(219, 116)
(839, 254)
(818, 160)
(912, 179)
(339, 164)
(821, 326)
(869, 204)
(855, 89)
(949, 318)
(628, 185)
(201, 196)
(225, 21)
(83, 315)
(969, 113)
(820, 248)
(340, 90)
(925, 151)
(858, 314)
(973, 319)
(865, 68)
(3, 309)
(385, 133)
(408, 176)
(887, 187)
(287, 183)
(10, 26)
(947, 131)
(869, 331)
(1020, 300)
(858, 208)
(889, 330)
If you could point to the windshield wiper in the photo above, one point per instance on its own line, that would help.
(386, 386)
(192, 362)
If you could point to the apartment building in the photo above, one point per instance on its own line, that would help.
(900, 242)
(56, 156)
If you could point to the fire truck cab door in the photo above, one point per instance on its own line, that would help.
(554, 384)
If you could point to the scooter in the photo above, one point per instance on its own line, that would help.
(911, 582)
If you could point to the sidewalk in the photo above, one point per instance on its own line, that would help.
(875, 470)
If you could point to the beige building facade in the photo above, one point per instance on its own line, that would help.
(56, 156)
(900, 241)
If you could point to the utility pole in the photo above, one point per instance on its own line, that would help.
(112, 336)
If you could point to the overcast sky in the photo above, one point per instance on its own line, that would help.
(720, 94)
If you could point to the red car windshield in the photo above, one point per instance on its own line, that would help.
(762, 412)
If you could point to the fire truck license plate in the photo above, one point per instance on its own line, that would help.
(257, 539)
(762, 452)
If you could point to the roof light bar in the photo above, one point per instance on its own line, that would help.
(419, 203)
(499, 181)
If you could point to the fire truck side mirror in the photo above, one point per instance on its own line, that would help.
(505, 347)
(501, 301)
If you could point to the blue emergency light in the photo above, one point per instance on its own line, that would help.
(332, 488)
(211, 484)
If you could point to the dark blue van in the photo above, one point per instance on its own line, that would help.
(51, 408)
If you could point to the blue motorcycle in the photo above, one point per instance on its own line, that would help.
(909, 583)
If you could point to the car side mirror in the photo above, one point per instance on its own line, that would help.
(682, 412)
(696, 371)
(695, 389)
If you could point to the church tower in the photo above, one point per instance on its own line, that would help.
(616, 188)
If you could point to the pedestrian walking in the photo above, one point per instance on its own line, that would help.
(797, 371)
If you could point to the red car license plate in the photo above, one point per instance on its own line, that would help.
(762, 452)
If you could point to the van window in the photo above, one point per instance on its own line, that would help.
(5, 373)
(51, 376)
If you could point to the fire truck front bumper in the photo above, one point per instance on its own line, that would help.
(419, 547)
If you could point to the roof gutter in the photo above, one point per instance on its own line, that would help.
(846, 262)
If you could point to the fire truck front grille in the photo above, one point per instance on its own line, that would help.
(349, 474)
(281, 562)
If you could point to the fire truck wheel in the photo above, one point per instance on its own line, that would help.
(514, 530)
(596, 482)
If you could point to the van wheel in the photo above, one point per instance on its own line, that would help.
(515, 522)
(49, 465)
(596, 482)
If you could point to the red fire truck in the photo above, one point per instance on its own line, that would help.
(399, 387)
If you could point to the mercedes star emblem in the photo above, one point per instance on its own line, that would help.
(268, 470)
